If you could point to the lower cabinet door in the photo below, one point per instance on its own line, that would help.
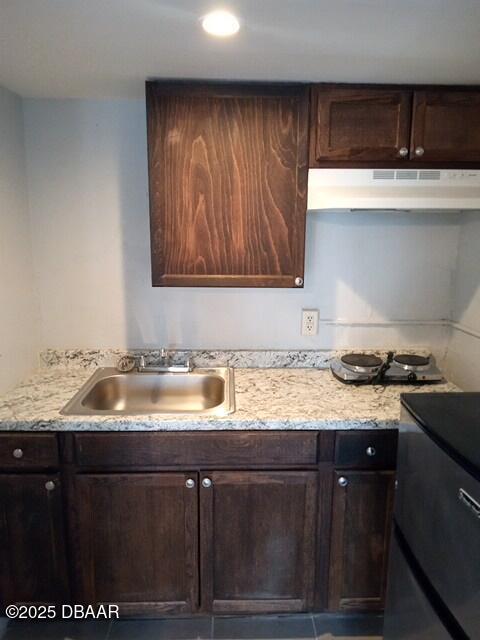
(257, 540)
(33, 566)
(138, 541)
(362, 516)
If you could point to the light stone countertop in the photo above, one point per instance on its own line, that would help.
(265, 399)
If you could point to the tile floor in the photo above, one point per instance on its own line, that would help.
(297, 627)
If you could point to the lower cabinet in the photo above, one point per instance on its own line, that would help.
(304, 528)
(33, 566)
(138, 541)
(361, 521)
(258, 540)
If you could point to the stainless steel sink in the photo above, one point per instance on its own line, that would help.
(201, 391)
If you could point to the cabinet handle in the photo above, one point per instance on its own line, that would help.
(18, 453)
(371, 451)
(342, 481)
(403, 152)
(50, 485)
(298, 281)
(419, 151)
(190, 483)
(207, 483)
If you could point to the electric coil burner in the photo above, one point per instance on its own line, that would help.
(364, 368)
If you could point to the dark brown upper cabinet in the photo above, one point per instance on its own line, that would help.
(446, 126)
(228, 180)
(375, 126)
(359, 125)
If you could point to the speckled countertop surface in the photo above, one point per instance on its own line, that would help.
(265, 399)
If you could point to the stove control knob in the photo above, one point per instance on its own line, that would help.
(342, 481)
(371, 451)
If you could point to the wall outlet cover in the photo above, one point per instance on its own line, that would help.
(309, 322)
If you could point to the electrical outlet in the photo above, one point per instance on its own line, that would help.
(309, 322)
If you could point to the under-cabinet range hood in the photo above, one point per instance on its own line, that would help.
(392, 189)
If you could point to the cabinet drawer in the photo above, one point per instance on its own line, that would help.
(366, 449)
(180, 449)
(28, 451)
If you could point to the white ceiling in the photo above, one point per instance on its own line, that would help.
(107, 48)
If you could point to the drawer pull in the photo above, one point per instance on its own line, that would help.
(207, 483)
(371, 451)
(49, 485)
(469, 502)
(190, 483)
(18, 453)
(342, 481)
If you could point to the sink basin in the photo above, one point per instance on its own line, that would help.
(201, 391)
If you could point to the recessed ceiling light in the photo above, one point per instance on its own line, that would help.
(220, 23)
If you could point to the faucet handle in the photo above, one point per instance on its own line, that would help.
(164, 354)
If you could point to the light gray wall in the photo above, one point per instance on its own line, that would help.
(463, 355)
(379, 280)
(19, 313)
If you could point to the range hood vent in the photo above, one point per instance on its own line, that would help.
(393, 189)
(406, 174)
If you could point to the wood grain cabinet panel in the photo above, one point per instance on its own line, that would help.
(361, 521)
(28, 451)
(258, 541)
(359, 125)
(138, 539)
(446, 126)
(33, 562)
(228, 178)
(366, 449)
(231, 448)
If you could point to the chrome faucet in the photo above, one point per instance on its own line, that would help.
(164, 365)
(129, 363)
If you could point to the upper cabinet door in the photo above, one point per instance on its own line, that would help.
(446, 126)
(228, 179)
(356, 125)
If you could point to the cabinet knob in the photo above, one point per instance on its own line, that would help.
(207, 483)
(371, 451)
(342, 481)
(190, 483)
(18, 453)
(419, 151)
(298, 281)
(403, 152)
(50, 485)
